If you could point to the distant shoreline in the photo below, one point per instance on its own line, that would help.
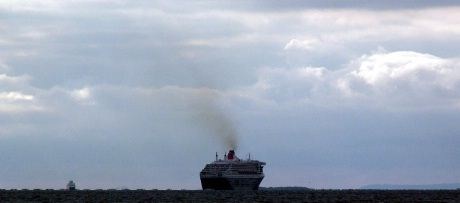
(441, 186)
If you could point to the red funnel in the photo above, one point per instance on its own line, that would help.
(231, 155)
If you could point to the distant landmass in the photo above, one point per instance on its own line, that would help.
(292, 188)
(442, 186)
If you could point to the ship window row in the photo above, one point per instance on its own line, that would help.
(238, 172)
(234, 168)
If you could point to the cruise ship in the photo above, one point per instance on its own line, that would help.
(232, 173)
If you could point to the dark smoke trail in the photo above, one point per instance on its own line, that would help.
(213, 118)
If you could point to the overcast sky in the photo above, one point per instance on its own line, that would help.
(137, 94)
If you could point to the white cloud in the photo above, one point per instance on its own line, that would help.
(308, 44)
(12, 97)
(407, 71)
(349, 32)
(405, 65)
(18, 102)
(15, 96)
(17, 108)
(4, 78)
(83, 96)
(392, 79)
(13, 100)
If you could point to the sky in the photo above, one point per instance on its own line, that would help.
(142, 94)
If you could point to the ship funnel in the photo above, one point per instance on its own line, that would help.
(231, 154)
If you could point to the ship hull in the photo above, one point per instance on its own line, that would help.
(230, 183)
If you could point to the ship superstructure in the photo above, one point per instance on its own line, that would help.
(232, 173)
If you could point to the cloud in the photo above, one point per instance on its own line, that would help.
(388, 68)
(309, 44)
(288, 85)
(409, 77)
(13, 100)
(83, 96)
(14, 96)
(4, 78)
(17, 109)
(393, 79)
(276, 6)
(352, 32)
(17, 102)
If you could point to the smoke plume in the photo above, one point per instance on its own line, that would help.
(212, 117)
